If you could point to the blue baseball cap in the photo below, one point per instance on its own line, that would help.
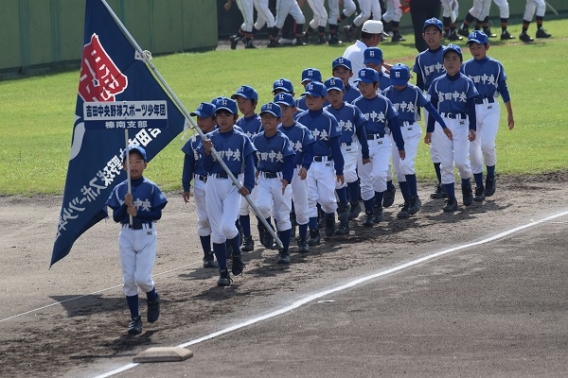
(315, 88)
(478, 36)
(204, 110)
(311, 74)
(224, 103)
(271, 108)
(334, 83)
(133, 147)
(284, 85)
(284, 99)
(433, 22)
(399, 74)
(341, 61)
(373, 55)
(367, 75)
(452, 47)
(246, 92)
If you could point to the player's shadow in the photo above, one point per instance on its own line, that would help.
(128, 342)
(89, 304)
(200, 273)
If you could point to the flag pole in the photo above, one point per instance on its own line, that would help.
(127, 154)
(146, 59)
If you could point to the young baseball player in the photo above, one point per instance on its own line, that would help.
(137, 211)
(327, 166)
(533, 7)
(381, 122)
(193, 169)
(503, 14)
(223, 197)
(490, 80)
(352, 124)
(302, 142)
(247, 99)
(453, 95)
(428, 66)
(245, 32)
(308, 75)
(275, 164)
(342, 69)
(407, 100)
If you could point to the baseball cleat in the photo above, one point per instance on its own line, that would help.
(463, 31)
(479, 195)
(467, 195)
(314, 238)
(209, 260)
(153, 309)
(397, 37)
(440, 192)
(135, 326)
(525, 37)
(334, 39)
(303, 246)
(238, 265)
(273, 43)
(541, 33)
(377, 214)
(505, 36)
(234, 39)
(224, 278)
(343, 229)
(355, 210)
(248, 244)
(490, 186)
(415, 205)
(453, 36)
(450, 206)
(368, 222)
(403, 213)
(329, 226)
(489, 34)
(388, 197)
(284, 257)
(347, 34)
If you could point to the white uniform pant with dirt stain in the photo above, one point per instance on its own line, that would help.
(411, 134)
(200, 200)
(367, 7)
(374, 174)
(455, 151)
(246, 8)
(223, 203)
(270, 200)
(321, 188)
(483, 147)
(532, 7)
(288, 7)
(137, 249)
(350, 157)
(300, 189)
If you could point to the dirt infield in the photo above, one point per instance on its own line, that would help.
(70, 320)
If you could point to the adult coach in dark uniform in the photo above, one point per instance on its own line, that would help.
(420, 11)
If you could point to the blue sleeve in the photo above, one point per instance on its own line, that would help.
(504, 90)
(338, 161)
(308, 156)
(288, 169)
(362, 136)
(471, 113)
(119, 214)
(396, 133)
(419, 80)
(249, 172)
(432, 112)
(152, 215)
(431, 120)
(187, 175)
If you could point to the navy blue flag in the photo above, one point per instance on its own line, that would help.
(117, 93)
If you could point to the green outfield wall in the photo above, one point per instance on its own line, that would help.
(49, 33)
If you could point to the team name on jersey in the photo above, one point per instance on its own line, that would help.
(346, 126)
(273, 156)
(230, 154)
(484, 79)
(375, 117)
(449, 96)
(297, 146)
(404, 107)
(144, 205)
(437, 67)
(320, 134)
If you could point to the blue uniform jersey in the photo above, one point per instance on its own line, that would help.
(274, 154)
(193, 161)
(250, 125)
(326, 133)
(381, 117)
(407, 102)
(301, 103)
(352, 124)
(147, 197)
(351, 93)
(455, 95)
(429, 65)
(236, 150)
(384, 81)
(302, 143)
(489, 77)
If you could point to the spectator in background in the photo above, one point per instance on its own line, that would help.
(420, 11)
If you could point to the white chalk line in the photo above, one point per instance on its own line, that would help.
(345, 286)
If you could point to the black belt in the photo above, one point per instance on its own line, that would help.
(323, 158)
(221, 175)
(454, 115)
(489, 100)
(374, 136)
(200, 178)
(346, 144)
(270, 174)
(137, 226)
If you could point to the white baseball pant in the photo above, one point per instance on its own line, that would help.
(451, 9)
(367, 7)
(349, 8)
(320, 13)
(300, 197)
(245, 6)
(269, 197)
(532, 7)
(503, 8)
(455, 151)
(200, 201)
(321, 188)
(263, 15)
(223, 203)
(483, 147)
(476, 8)
(350, 156)
(393, 13)
(411, 133)
(288, 7)
(137, 250)
(374, 174)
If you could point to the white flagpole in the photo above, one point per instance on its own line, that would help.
(127, 154)
(146, 59)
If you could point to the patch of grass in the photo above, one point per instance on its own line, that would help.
(38, 112)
